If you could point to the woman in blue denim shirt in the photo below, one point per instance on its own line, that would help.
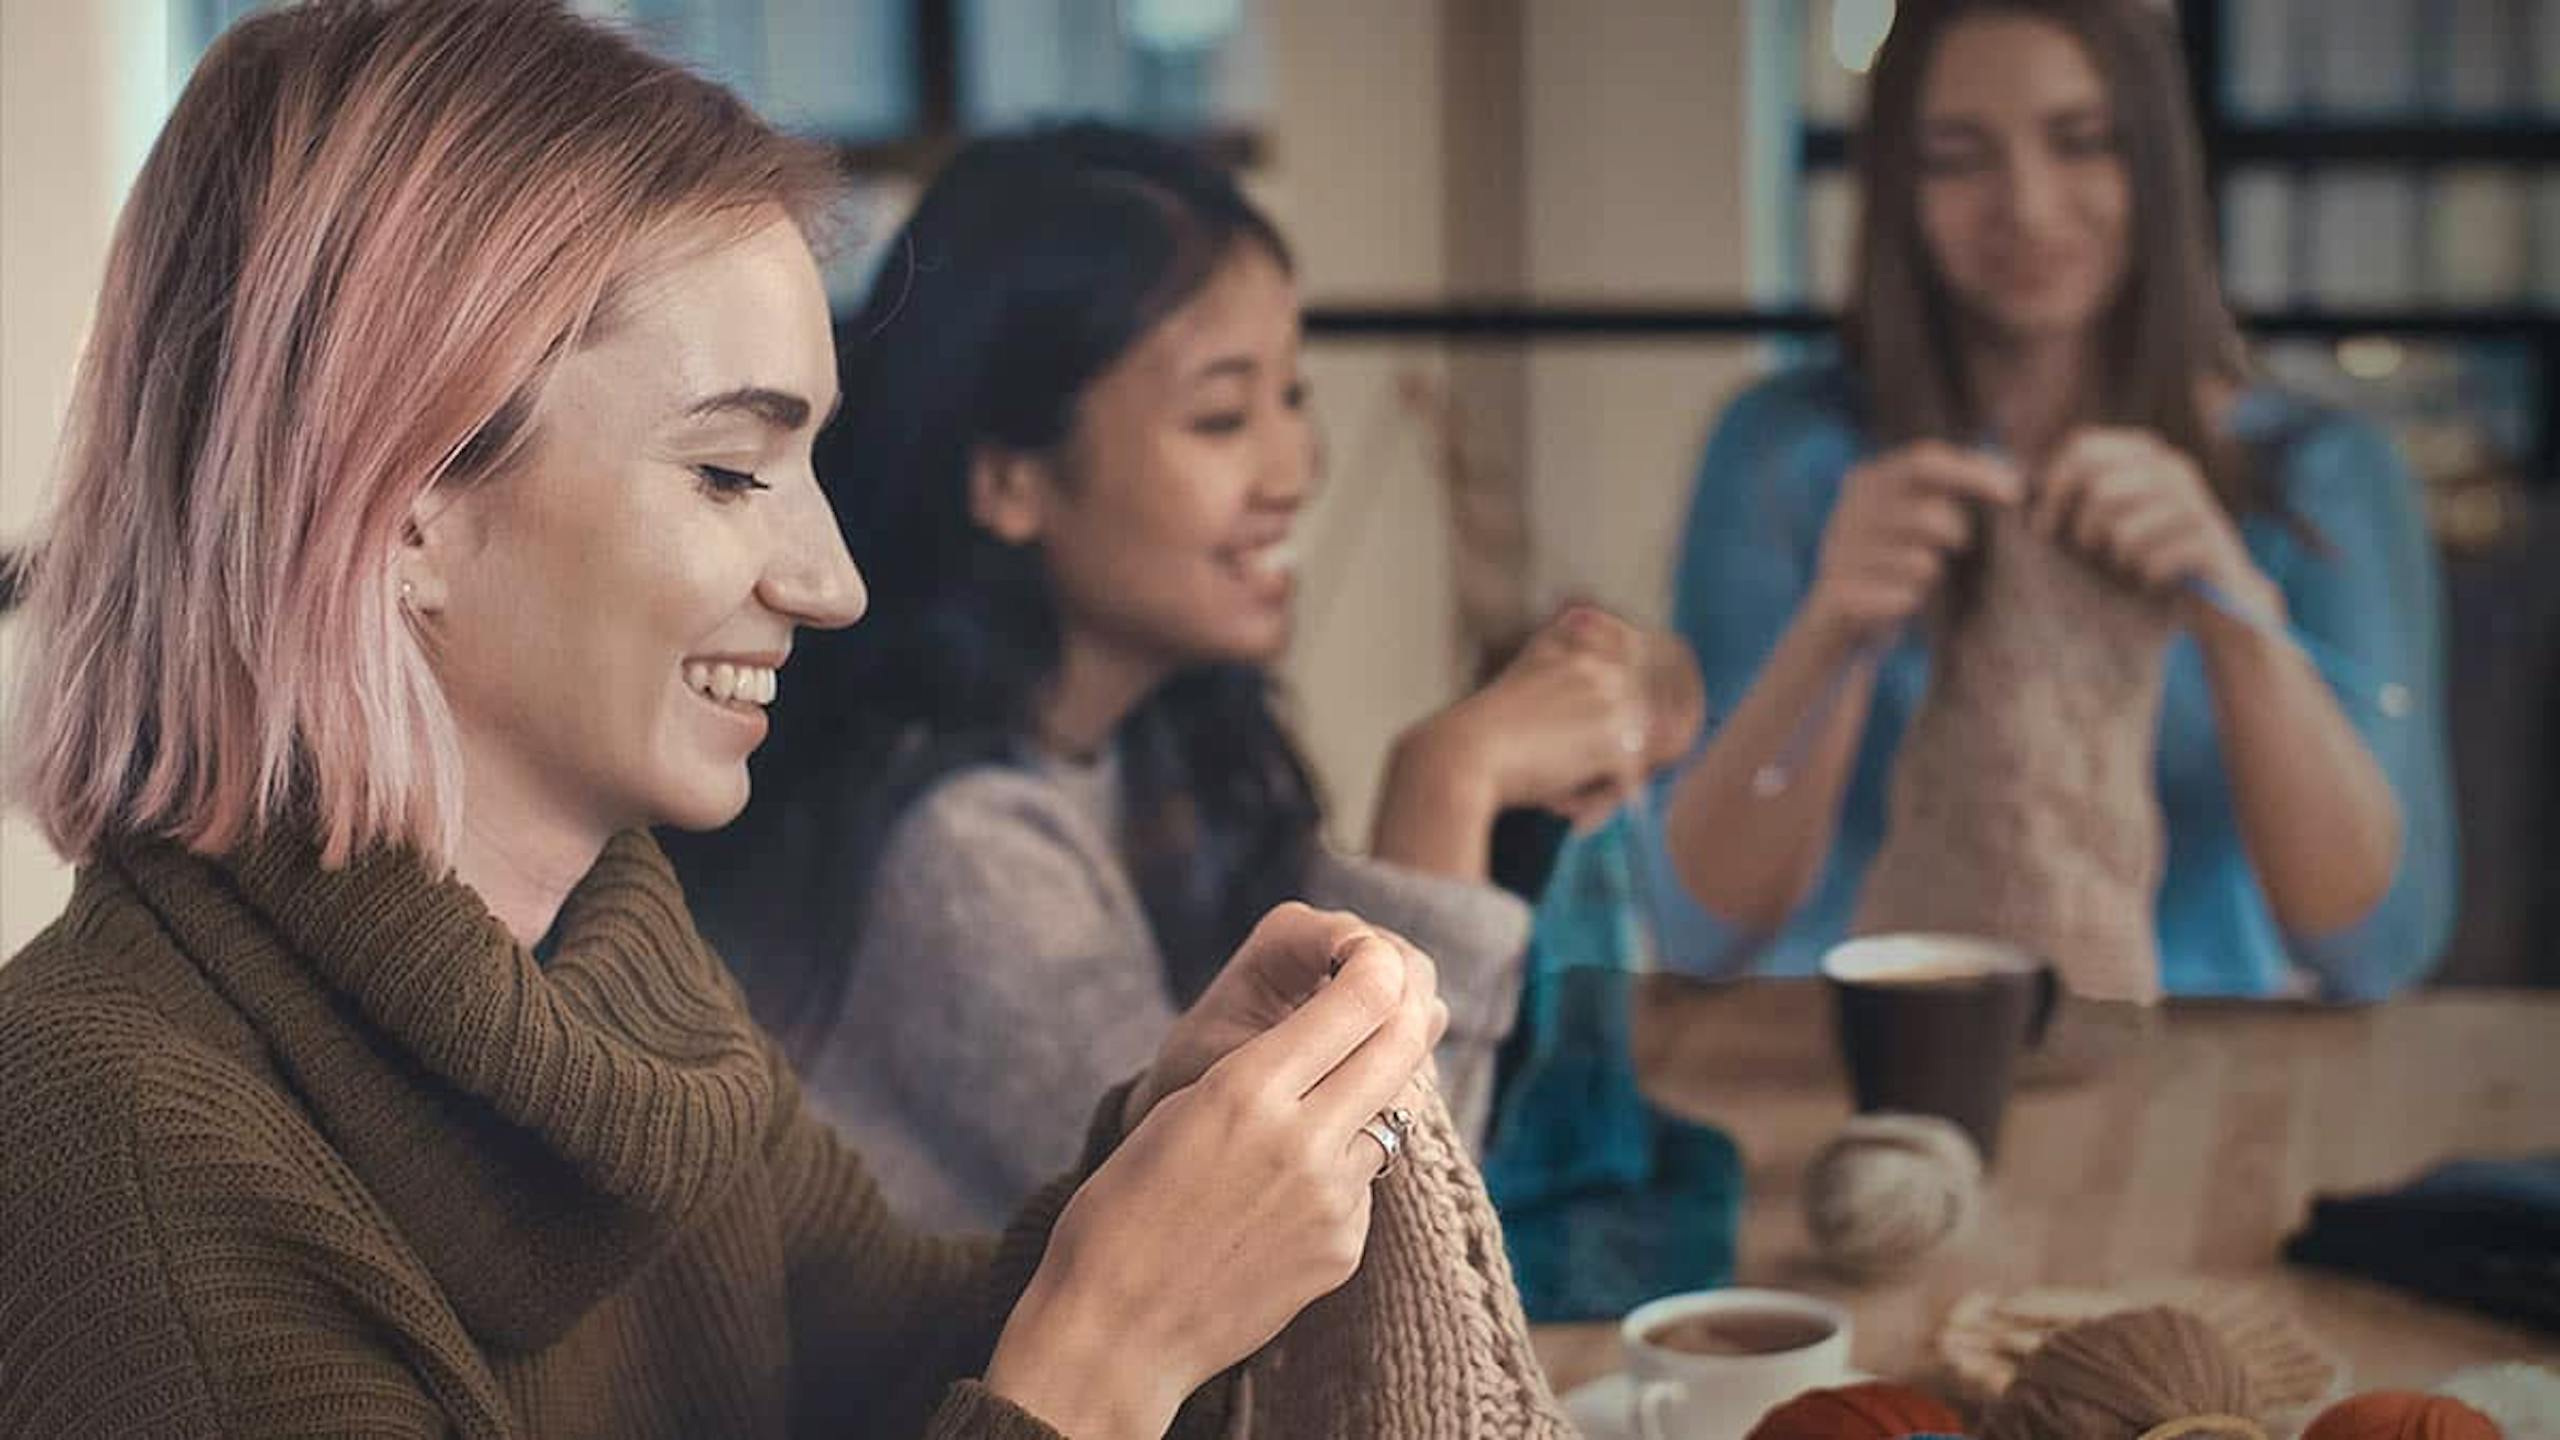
(2037, 325)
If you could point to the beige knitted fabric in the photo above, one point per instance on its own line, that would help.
(2023, 806)
(1436, 1286)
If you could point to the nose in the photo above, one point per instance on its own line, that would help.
(811, 579)
(2034, 192)
(1285, 471)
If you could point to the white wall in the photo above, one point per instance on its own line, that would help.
(1355, 178)
(81, 86)
(1635, 181)
(1637, 184)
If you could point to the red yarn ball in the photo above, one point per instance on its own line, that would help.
(1875, 1410)
(2402, 1415)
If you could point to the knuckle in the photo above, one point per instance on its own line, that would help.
(1426, 973)
(1374, 988)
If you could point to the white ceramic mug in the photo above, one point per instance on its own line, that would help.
(1686, 1395)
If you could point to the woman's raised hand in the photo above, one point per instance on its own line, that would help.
(2143, 508)
(1564, 727)
(1900, 517)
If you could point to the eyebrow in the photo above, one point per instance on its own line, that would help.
(1244, 365)
(2074, 113)
(778, 408)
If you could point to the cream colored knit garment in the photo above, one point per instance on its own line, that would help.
(1436, 1279)
(2023, 805)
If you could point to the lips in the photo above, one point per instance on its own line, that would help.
(2037, 270)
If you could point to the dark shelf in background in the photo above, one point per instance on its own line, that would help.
(2236, 143)
(1507, 320)
(2406, 144)
(2528, 323)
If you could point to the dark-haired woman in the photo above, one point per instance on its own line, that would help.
(1005, 831)
(2037, 333)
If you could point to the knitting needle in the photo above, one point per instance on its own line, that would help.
(1776, 774)
(2389, 697)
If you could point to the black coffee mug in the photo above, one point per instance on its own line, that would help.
(1934, 1024)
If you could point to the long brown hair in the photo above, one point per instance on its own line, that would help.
(2167, 328)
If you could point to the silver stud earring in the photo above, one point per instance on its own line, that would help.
(408, 594)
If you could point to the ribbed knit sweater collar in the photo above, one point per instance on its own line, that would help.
(536, 1134)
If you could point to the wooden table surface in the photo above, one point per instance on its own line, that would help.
(2193, 1157)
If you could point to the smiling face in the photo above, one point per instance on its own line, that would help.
(2024, 196)
(1166, 524)
(606, 615)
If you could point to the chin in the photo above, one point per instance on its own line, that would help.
(705, 806)
(1256, 643)
(2031, 321)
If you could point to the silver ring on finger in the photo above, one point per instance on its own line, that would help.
(1388, 1127)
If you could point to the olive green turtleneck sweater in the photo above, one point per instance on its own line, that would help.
(295, 1152)
(298, 1152)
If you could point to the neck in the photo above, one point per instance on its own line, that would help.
(520, 855)
(2030, 390)
(1097, 685)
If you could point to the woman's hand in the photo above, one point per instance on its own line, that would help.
(1675, 697)
(2143, 509)
(1288, 957)
(1564, 727)
(1236, 1202)
(1899, 518)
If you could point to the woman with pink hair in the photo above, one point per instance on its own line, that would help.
(436, 516)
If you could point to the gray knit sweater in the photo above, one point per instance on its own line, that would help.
(1007, 976)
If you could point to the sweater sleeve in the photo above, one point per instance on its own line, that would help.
(2368, 602)
(1004, 980)
(1427, 1341)
(892, 1326)
(1478, 936)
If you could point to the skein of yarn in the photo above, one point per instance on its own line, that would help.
(2119, 1377)
(1875, 1410)
(1889, 1189)
(2401, 1415)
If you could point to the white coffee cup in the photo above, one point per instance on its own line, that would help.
(1686, 1394)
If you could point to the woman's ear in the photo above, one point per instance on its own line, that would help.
(441, 532)
(1009, 493)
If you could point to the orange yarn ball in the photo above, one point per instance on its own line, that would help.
(2401, 1415)
(1876, 1410)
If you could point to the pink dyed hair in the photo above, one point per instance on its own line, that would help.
(367, 232)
